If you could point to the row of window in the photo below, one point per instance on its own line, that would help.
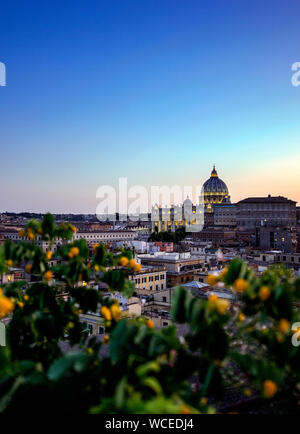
(150, 278)
(157, 287)
(91, 237)
(99, 237)
(258, 222)
(100, 330)
(284, 258)
(264, 206)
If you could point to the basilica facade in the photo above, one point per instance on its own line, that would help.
(214, 193)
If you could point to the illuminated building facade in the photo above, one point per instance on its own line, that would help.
(215, 191)
(178, 216)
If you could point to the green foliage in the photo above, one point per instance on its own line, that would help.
(169, 236)
(140, 369)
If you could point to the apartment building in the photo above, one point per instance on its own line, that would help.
(107, 237)
(225, 215)
(266, 211)
(149, 279)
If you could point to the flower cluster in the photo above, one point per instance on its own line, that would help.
(6, 305)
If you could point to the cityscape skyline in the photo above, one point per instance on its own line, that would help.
(185, 192)
(154, 93)
(150, 210)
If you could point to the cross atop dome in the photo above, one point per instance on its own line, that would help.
(214, 173)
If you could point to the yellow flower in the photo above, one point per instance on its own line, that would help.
(40, 231)
(132, 263)
(150, 324)
(1, 292)
(21, 234)
(20, 304)
(9, 262)
(48, 275)
(74, 251)
(247, 392)
(212, 279)
(283, 326)
(213, 298)
(105, 339)
(70, 324)
(106, 313)
(241, 317)
(26, 297)
(95, 247)
(203, 401)
(90, 350)
(264, 293)
(73, 229)
(212, 302)
(241, 285)
(137, 267)
(116, 312)
(6, 306)
(223, 273)
(269, 388)
(30, 236)
(28, 268)
(184, 409)
(48, 255)
(124, 261)
(96, 267)
(297, 330)
(222, 306)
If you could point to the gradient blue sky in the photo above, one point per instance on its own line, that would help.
(155, 90)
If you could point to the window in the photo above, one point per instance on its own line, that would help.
(162, 286)
(164, 299)
(156, 287)
(91, 329)
(100, 330)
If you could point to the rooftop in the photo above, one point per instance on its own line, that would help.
(269, 199)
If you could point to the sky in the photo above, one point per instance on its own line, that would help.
(153, 90)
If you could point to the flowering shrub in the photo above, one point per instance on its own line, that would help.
(135, 368)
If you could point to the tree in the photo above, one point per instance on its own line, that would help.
(136, 369)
